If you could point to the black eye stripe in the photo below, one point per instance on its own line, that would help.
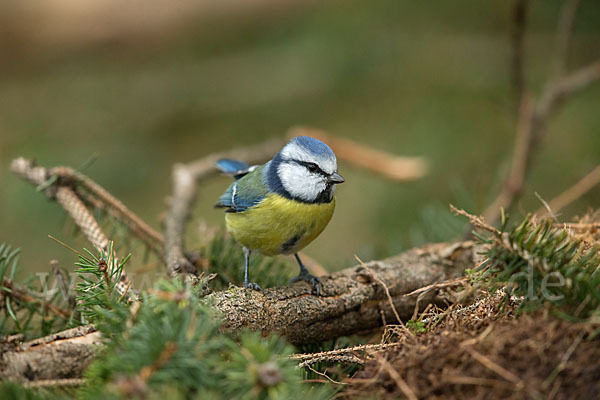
(311, 167)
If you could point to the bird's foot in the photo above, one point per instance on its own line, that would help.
(313, 280)
(253, 286)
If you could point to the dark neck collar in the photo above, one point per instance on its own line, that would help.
(273, 182)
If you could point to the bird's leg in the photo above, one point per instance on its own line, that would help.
(304, 275)
(247, 283)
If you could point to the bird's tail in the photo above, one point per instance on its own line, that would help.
(229, 166)
(235, 168)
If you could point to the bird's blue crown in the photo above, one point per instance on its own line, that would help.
(313, 146)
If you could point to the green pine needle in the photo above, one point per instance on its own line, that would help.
(547, 267)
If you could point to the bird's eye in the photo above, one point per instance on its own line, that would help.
(312, 167)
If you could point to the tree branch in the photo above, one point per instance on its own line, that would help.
(573, 193)
(153, 239)
(22, 296)
(534, 115)
(354, 301)
(63, 355)
(564, 32)
(58, 185)
(519, 17)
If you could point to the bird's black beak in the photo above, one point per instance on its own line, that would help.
(335, 178)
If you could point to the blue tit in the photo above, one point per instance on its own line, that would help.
(283, 205)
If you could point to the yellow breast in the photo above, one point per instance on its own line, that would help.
(278, 225)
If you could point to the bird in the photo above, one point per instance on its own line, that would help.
(283, 205)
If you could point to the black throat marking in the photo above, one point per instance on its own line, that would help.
(273, 182)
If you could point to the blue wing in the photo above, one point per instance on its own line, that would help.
(245, 192)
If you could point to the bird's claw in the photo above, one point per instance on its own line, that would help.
(253, 286)
(313, 280)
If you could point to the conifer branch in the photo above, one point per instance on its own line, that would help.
(63, 191)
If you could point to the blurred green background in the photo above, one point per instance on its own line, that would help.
(145, 87)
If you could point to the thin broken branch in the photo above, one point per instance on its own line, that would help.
(557, 93)
(22, 296)
(573, 193)
(344, 355)
(476, 221)
(153, 239)
(401, 383)
(55, 383)
(65, 196)
(63, 191)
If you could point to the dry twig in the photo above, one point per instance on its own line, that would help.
(401, 383)
(573, 193)
(63, 192)
(492, 366)
(563, 361)
(344, 355)
(21, 295)
(563, 36)
(153, 239)
(55, 383)
(451, 282)
(519, 16)
(476, 221)
(387, 290)
(324, 375)
(577, 226)
(534, 115)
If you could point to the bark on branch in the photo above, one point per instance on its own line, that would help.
(355, 300)
(62, 355)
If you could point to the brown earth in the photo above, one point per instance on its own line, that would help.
(487, 353)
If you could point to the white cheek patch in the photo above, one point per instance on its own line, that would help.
(292, 151)
(299, 182)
